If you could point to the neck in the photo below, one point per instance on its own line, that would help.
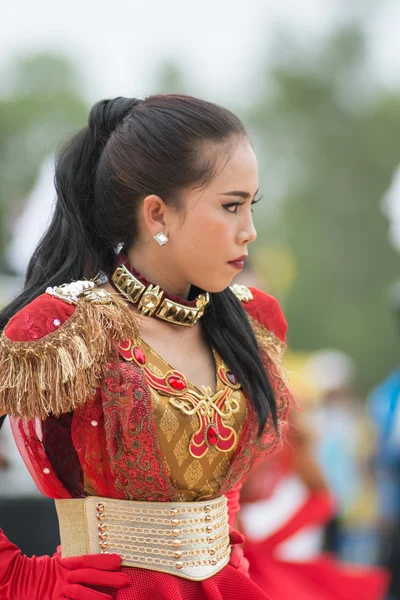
(155, 270)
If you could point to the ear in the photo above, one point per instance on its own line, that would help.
(154, 214)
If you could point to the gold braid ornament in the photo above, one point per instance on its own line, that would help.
(150, 300)
(59, 372)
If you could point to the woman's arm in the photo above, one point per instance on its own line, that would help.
(47, 353)
(304, 464)
(53, 578)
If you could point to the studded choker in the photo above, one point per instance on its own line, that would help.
(151, 301)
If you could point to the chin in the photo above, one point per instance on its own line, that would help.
(214, 287)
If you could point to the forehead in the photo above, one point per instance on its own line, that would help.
(239, 171)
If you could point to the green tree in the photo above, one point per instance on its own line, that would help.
(329, 143)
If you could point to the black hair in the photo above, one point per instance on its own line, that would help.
(131, 148)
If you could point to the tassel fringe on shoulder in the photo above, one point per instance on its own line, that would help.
(59, 372)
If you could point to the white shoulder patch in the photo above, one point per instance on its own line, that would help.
(72, 292)
(242, 292)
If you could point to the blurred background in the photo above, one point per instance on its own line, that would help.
(317, 82)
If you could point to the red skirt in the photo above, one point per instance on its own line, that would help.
(228, 584)
(323, 578)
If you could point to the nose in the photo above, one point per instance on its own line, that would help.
(247, 234)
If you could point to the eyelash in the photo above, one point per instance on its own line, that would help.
(236, 204)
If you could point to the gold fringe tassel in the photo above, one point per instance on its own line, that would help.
(59, 372)
(269, 343)
(273, 349)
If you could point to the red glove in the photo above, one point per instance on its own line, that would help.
(237, 558)
(56, 578)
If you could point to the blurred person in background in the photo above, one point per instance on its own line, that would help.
(156, 195)
(285, 505)
(384, 408)
(344, 444)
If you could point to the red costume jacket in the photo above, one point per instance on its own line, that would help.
(82, 415)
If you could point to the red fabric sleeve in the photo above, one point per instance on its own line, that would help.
(233, 498)
(266, 310)
(41, 317)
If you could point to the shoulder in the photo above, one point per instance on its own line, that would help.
(52, 311)
(263, 308)
(40, 317)
(53, 351)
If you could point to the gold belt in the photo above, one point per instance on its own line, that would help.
(188, 539)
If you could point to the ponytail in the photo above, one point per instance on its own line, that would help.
(71, 247)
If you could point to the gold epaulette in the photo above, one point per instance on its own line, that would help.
(242, 292)
(59, 372)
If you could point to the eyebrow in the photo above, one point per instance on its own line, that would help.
(244, 195)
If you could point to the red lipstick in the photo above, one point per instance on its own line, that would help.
(238, 263)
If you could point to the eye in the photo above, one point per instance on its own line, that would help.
(232, 205)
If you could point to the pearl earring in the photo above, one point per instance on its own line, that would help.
(161, 238)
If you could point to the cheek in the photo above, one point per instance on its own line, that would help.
(209, 233)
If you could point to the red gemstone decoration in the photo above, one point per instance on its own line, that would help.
(139, 355)
(212, 435)
(177, 384)
(231, 377)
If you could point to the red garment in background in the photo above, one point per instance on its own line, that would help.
(321, 578)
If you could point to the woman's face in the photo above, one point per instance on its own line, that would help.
(217, 227)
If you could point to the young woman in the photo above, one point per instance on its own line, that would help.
(142, 388)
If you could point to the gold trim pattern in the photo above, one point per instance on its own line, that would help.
(206, 490)
(210, 408)
(221, 469)
(169, 424)
(150, 302)
(212, 455)
(181, 451)
(194, 422)
(193, 474)
(206, 403)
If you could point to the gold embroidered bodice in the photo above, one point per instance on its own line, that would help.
(198, 429)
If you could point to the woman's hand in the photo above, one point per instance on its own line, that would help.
(237, 558)
(77, 572)
(56, 578)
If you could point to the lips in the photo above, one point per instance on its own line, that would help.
(240, 259)
(238, 263)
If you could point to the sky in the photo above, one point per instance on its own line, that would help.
(220, 43)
